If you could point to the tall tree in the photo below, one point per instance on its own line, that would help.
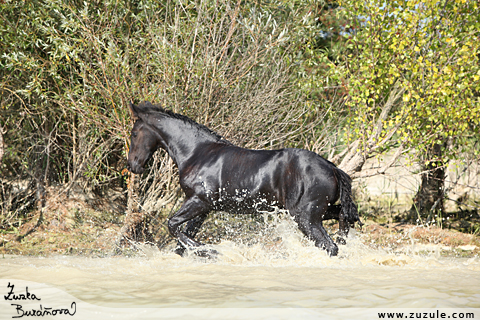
(413, 77)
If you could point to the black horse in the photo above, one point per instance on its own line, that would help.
(219, 176)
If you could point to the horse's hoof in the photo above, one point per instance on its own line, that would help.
(180, 250)
(329, 246)
(332, 250)
(341, 241)
(209, 254)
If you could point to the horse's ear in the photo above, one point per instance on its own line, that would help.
(133, 110)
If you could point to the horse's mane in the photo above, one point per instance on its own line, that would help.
(148, 107)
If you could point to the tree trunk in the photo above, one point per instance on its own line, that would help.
(41, 164)
(135, 225)
(132, 197)
(428, 201)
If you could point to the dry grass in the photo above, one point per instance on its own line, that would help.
(398, 237)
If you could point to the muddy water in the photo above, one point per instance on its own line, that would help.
(285, 280)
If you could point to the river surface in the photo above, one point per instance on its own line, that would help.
(290, 280)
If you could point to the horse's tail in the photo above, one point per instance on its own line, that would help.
(349, 208)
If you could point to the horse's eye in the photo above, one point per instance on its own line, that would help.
(134, 135)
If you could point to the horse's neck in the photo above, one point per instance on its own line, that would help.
(181, 139)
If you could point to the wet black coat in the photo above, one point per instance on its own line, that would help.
(216, 175)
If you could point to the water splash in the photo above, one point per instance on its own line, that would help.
(277, 242)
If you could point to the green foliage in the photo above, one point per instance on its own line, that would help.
(43, 56)
(69, 68)
(319, 44)
(315, 46)
(427, 50)
(264, 74)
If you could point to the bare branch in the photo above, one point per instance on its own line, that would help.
(354, 160)
(348, 157)
(376, 171)
(394, 95)
(2, 149)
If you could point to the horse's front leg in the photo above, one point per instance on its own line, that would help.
(191, 230)
(193, 210)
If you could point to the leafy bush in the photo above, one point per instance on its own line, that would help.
(69, 69)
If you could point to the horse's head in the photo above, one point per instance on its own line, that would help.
(144, 142)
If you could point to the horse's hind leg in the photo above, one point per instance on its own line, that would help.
(323, 240)
(311, 225)
(343, 228)
(335, 212)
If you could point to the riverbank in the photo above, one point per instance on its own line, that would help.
(90, 233)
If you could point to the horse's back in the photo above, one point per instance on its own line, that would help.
(285, 176)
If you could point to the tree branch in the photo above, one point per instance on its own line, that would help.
(382, 170)
(394, 95)
(354, 160)
(2, 149)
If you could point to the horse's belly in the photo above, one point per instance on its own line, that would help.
(245, 203)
